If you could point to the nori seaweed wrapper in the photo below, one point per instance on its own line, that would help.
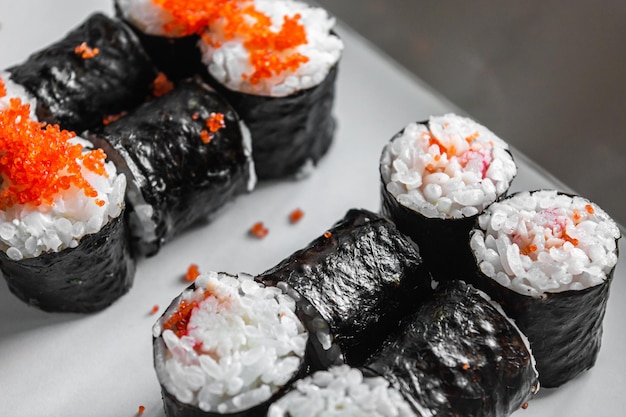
(184, 180)
(457, 355)
(287, 132)
(321, 352)
(83, 279)
(362, 276)
(440, 240)
(176, 57)
(77, 93)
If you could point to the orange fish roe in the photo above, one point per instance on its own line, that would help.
(205, 136)
(141, 410)
(296, 215)
(38, 161)
(328, 234)
(110, 118)
(268, 49)
(528, 249)
(180, 319)
(259, 230)
(154, 309)
(85, 51)
(161, 85)
(589, 209)
(215, 122)
(3, 89)
(192, 273)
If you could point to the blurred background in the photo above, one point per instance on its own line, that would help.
(548, 76)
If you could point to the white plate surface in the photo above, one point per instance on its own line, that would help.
(101, 364)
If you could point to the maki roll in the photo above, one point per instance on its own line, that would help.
(186, 155)
(169, 31)
(98, 69)
(63, 240)
(458, 355)
(276, 62)
(437, 177)
(548, 258)
(342, 391)
(362, 276)
(231, 345)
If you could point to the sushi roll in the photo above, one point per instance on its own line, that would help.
(98, 69)
(436, 178)
(63, 241)
(342, 391)
(168, 34)
(231, 345)
(548, 258)
(362, 276)
(458, 354)
(186, 155)
(276, 62)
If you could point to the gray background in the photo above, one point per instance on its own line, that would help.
(547, 76)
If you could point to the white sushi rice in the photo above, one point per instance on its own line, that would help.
(14, 90)
(243, 342)
(473, 171)
(545, 242)
(26, 230)
(341, 391)
(146, 16)
(229, 62)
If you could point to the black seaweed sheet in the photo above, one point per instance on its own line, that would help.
(321, 352)
(184, 180)
(457, 355)
(362, 277)
(84, 279)
(564, 328)
(287, 132)
(77, 93)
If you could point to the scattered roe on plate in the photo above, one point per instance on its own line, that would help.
(296, 215)
(259, 230)
(192, 272)
(269, 50)
(141, 410)
(38, 161)
(154, 309)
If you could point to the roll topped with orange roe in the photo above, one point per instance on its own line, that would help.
(61, 222)
(275, 61)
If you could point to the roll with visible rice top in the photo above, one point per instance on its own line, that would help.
(61, 203)
(548, 258)
(437, 176)
(229, 344)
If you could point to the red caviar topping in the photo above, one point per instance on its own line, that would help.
(465, 366)
(296, 215)
(3, 89)
(524, 406)
(85, 51)
(215, 122)
(141, 410)
(576, 216)
(192, 272)
(589, 209)
(472, 137)
(205, 136)
(570, 239)
(328, 234)
(528, 250)
(37, 161)
(110, 118)
(161, 85)
(259, 230)
(155, 309)
(179, 320)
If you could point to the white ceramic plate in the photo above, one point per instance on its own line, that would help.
(101, 364)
